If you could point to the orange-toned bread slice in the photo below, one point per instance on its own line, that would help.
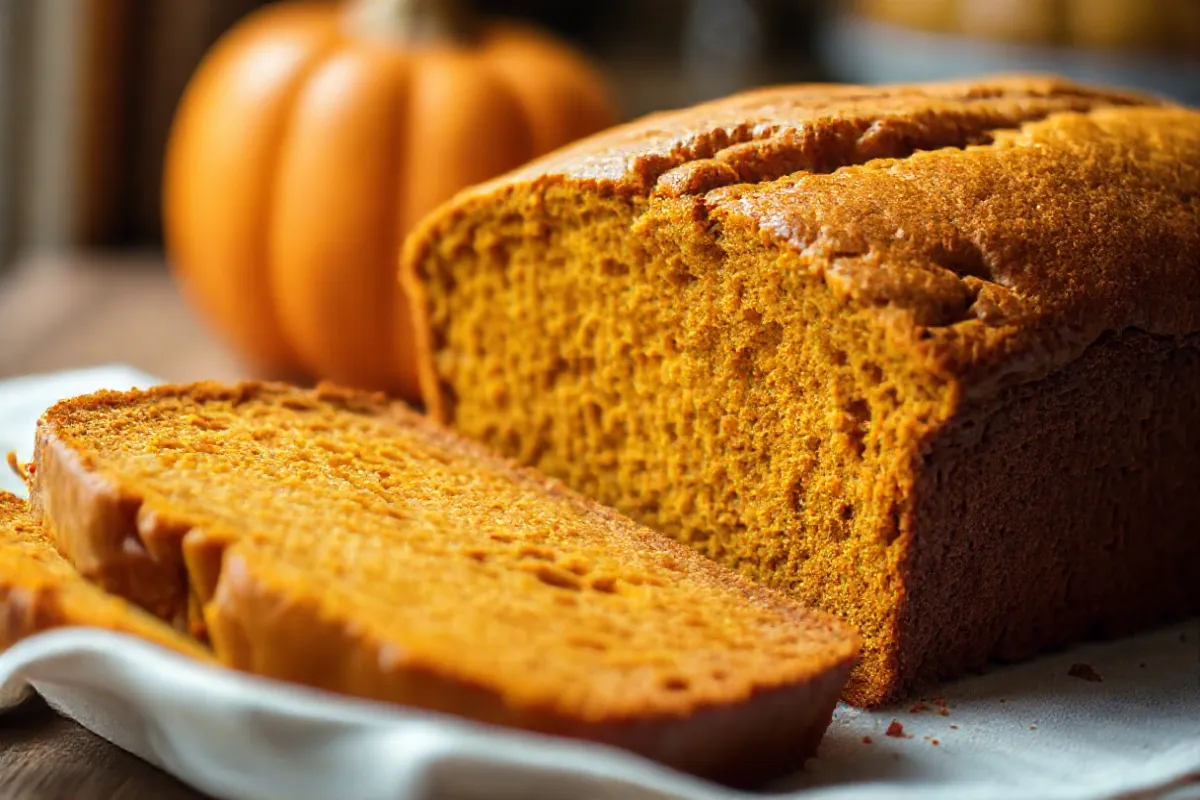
(340, 541)
(39, 590)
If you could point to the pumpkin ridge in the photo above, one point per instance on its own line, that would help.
(330, 45)
(351, 354)
(279, 218)
(403, 358)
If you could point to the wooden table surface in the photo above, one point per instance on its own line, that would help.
(59, 313)
(80, 311)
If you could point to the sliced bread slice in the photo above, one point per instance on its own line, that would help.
(344, 542)
(39, 591)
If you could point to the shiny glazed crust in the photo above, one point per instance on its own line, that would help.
(259, 622)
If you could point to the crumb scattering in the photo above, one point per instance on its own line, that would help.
(867, 740)
(953, 727)
(895, 730)
(1084, 672)
(918, 708)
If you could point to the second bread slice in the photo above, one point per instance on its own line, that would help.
(40, 591)
(343, 542)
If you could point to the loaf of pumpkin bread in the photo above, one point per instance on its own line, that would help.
(39, 591)
(344, 542)
(925, 357)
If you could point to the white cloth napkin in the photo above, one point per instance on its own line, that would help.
(1125, 725)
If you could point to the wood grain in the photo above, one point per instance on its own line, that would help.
(85, 310)
(44, 756)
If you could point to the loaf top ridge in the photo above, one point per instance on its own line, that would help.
(993, 229)
(763, 134)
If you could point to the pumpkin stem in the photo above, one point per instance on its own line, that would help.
(412, 22)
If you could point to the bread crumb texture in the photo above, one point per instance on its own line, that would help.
(752, 325)
(345, 542)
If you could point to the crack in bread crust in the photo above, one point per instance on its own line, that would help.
(758, 357)
(822, 146)
(630, 159)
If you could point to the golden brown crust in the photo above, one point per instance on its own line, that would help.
(268, 616)
(928, 203)
(1062, 511)
(965, 240)
(1000, 263)
(741, 129)
(40, 591)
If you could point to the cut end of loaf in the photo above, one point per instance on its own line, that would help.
(707, 389)
(746, 324)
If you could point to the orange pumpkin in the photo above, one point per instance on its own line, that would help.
(311, 139)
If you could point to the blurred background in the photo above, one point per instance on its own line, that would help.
(89, 88)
